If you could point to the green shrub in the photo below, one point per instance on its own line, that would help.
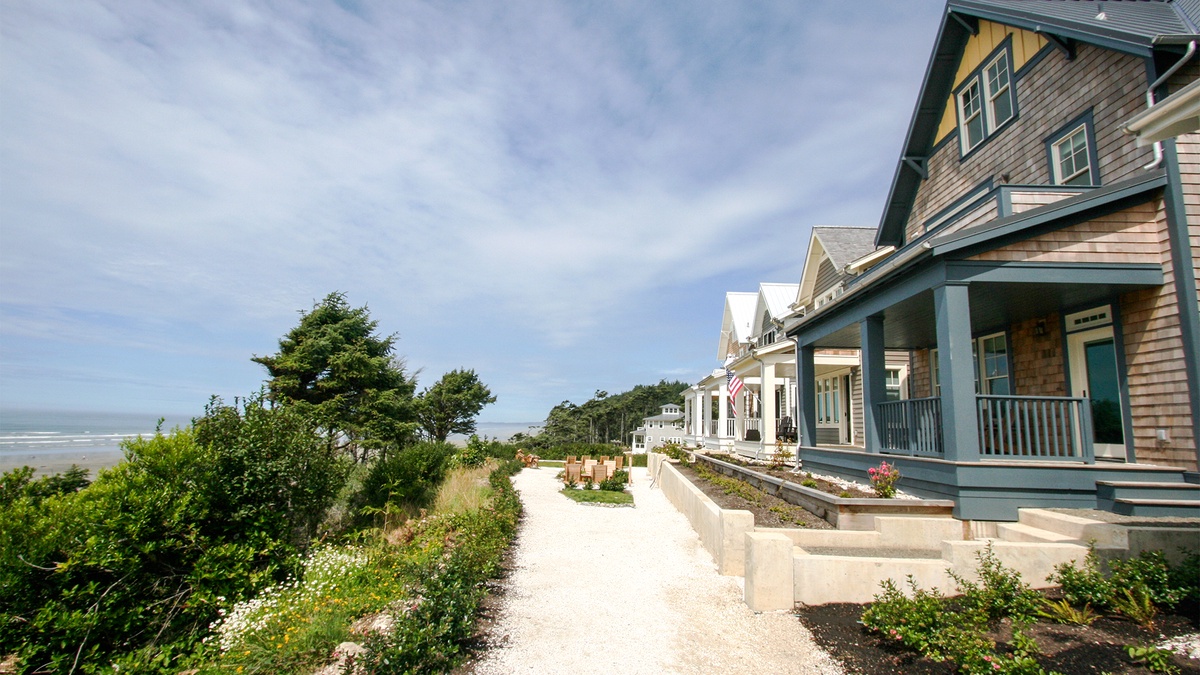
(1147, 574)
(20, 483)
(1185, 579)
(1000, 592)
(809, 483)
(924, 622)
(132, 569)
(1087, 585)
(406, 479)
(562, 450)
(452, 560)
(616, 483)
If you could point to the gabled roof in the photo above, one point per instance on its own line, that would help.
(773, 299)
(845, 244)
(1139, 28)
(737, 323)
(842, 244)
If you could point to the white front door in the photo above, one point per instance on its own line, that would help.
(1094, 376)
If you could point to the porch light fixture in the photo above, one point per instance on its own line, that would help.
(1039, 329)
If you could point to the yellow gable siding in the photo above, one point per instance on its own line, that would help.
(1024, 45)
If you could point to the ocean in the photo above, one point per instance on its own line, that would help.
(52, 440)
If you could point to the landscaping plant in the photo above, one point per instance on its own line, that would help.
(883, 479)
(1000, 592)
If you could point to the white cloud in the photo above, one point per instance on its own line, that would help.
(533, 168)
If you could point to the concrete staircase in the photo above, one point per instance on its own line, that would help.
(1149, 499)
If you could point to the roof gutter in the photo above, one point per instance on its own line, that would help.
(1158, 148)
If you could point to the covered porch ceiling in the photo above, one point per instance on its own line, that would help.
(999, 296)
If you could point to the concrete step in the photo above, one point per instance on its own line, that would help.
(1026, 533)
(1179, 508)
(1073, 527)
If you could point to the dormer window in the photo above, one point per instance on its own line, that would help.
(985, 101)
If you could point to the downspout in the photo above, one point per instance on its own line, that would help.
(1158, 147)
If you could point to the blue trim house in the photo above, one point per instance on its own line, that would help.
(1044, 271)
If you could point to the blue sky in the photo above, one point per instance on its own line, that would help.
(556, 194)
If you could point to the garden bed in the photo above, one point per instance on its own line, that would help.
(1070, 650)
(840, 512)
(600, 497)
(768, 510)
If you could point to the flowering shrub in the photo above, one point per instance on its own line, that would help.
(883, 479)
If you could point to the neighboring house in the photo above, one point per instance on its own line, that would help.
(667, 426)
(1039, 265)
(753, 347)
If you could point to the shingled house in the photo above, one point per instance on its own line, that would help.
(1039, 265)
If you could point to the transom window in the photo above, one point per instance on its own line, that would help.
(1071, 163)
(985, 101)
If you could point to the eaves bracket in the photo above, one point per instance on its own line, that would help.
(1064, 45)
(918, 164)
(971, 26)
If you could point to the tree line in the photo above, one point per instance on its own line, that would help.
(605, 418)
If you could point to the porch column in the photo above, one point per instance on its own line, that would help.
(723, 410)
(806, 377)
(767, 395)
(874, 376)
(960, 426)
(702, 398)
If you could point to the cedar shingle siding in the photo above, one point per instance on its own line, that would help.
(1050, 93)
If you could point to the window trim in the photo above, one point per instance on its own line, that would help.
(979, 78)
(1066, 131)
(977, 358)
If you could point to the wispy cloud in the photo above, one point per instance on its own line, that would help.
(500, 182)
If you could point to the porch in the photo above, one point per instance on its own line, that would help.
(1020, 392)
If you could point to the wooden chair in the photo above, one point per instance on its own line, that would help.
(600, 472)
(603, 458)
(619, 460)
(570, 459)
(573, 473)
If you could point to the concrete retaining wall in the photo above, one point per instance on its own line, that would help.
(722, 532)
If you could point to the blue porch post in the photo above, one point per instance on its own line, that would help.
(960, 426)
(806, 408)
(874, 375)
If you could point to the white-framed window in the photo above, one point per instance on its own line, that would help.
(892, 383)
(992, 359)
(998, 85)
(990, 356)
(986, 101)
(1071, 158)
(829, 401)
(970, 116)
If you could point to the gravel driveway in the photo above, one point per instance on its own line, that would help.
(630, 590)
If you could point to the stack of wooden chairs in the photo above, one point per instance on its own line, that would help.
(577, 470)
(529, 461)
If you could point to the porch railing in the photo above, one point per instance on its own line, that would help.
(730, 428)
(712, 427)
(1035, 427)
(912, 426)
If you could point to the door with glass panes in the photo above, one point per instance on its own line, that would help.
(1092, 354)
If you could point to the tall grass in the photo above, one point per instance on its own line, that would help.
(465, 489)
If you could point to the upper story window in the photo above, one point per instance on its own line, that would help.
(1071, 153)
(986, 100)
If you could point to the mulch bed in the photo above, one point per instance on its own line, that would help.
(1071, 650)
(786, 474)
(768, 511)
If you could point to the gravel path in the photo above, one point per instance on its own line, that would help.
(630, 590)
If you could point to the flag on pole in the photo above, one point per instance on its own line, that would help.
(735, 386)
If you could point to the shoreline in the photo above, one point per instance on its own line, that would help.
(50, 463)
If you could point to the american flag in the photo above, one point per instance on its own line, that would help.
(735, 386)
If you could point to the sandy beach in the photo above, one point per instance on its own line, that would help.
(49, 463)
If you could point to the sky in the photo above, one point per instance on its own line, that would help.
(555, 194)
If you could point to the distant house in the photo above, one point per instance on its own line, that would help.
(667, 426)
